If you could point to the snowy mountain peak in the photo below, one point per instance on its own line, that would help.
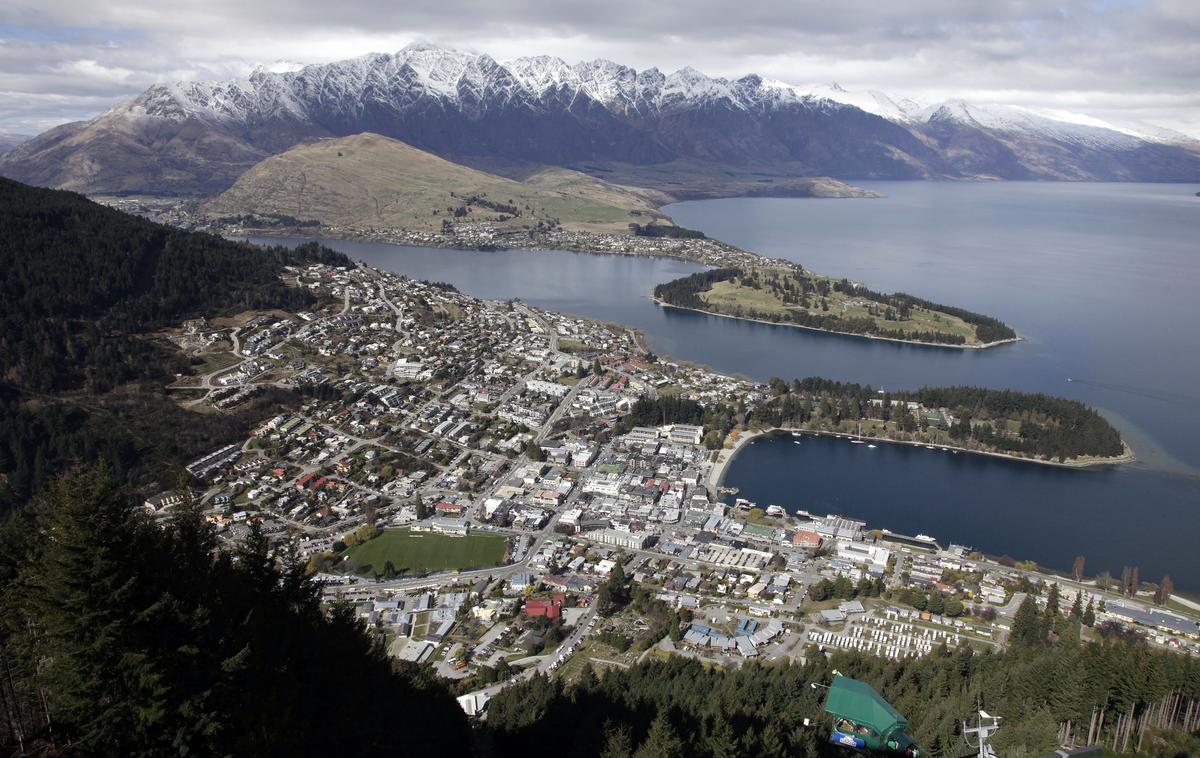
(278, 67)
(541, 73)
(457, 77)
(419, 45)
(542, 109)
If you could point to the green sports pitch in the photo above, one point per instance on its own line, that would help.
(421, 552)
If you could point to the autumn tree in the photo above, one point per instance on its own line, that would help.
(1165, 588)
(1077, 569)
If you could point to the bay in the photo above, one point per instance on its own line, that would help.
(1114, 517)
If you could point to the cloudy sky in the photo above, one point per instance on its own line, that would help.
(1123, 60)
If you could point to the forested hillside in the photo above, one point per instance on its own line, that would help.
(122, 637)
(680, 707)
(81, 288)
(77, 279)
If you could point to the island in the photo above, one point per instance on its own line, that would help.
(785, 293)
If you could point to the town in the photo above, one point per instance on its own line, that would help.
(465, 475)
(462, 235)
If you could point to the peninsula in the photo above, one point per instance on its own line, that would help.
(784, 293)
(1020, 426)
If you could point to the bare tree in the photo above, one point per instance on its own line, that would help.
(1165, 588)
(1077, 569)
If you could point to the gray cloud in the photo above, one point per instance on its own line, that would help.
(62, 60)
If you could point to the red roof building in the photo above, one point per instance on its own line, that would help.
(806, 539)
(550, 607)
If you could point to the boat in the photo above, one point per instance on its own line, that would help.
(797, 434)
(930, 447)
(857, 442)
(795, 442)
(871, 447)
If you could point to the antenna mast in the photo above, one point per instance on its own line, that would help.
(987, 725)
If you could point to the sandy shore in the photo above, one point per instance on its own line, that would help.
(982, 346)
(726, 456)
(717, 475)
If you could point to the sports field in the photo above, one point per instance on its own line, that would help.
(420, 552)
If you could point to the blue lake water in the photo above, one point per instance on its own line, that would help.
(1115, 518)
(1103, 281)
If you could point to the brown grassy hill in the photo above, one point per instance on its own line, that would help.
(369, 181)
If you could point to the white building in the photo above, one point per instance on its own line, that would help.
(553, 389)
(874, 556)
(616, 538)
(686, 434)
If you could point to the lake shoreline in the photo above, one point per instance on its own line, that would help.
(705, 251)
(919, 343)
(567, 245)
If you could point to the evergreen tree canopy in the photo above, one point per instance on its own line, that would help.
(144, 639)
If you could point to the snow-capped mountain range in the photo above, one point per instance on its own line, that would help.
(199, 136)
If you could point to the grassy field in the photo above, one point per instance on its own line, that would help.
(215, 362)
(727, 295)
(418, 552)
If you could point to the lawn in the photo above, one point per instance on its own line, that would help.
(728, 295)
(418, 552)
(732, 294)
(215, 362)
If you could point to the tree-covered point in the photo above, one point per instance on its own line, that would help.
(1033, 424)
(987, 329)
(121, 636)
(665, 230)
(795, 296)
(77, 279)
(266, 221)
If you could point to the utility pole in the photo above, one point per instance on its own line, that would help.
(987, 725)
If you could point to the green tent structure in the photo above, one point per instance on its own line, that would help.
(864, 721)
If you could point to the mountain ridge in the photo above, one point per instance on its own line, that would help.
(198, 137)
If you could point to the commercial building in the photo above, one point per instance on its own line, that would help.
(627, 540)
(686, 434)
